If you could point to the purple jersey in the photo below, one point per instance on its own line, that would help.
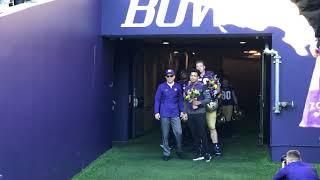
(183, 84)
(207, 75)
(227, 97)
(204, 79)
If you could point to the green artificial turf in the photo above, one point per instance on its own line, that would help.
(141, 159)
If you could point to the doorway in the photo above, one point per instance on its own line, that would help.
(139, 65)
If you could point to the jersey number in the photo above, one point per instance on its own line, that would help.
(226, 95)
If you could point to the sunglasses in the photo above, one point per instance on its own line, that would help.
(169, 76)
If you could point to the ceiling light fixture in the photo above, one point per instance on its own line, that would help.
(253, 51)
(165, 42)
(243, 42)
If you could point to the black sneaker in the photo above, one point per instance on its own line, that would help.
(198, 157)
(207, 158)
(217, 150)
(166, 158)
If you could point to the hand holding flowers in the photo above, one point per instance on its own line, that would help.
(191, 96)
(213, 86)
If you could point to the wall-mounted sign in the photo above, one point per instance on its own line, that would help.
(199, 9)
(311, 113)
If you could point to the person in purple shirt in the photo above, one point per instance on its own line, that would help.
(168, 108)
(229, 103)
(210, 116)
(197, 116)
(294, 168)
(186, 133)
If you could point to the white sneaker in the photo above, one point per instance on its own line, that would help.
(198, 158)
(162, 146)
(208, 158)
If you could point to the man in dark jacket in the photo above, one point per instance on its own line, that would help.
(195, 109)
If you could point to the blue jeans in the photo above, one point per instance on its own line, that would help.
(177, 131)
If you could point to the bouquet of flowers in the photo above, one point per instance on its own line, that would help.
(191, 94)
(213, 85)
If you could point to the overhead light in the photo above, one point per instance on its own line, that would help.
(165, 42)
(243, 42)
(253, 51)
(176, 52)
(257, 54)
(245, 51)
(193, 53)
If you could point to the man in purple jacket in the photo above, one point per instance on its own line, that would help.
(294, 168)
(168, 107)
